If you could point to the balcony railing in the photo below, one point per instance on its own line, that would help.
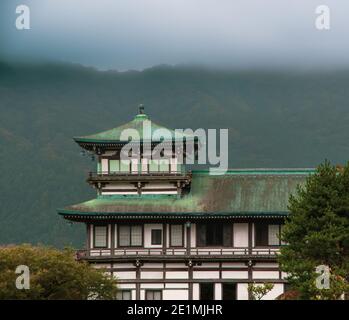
(178, 252)
(137, 173)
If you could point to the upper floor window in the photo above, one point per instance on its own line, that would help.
(267, 234)
(100, 236)
(176, 235)
(130, 236)
(214, 234)
(156, 236)
(124, 295)
(153, 294)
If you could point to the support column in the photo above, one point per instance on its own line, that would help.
(164, 242)
(138, 277)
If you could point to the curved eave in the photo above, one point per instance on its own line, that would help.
(80, 215)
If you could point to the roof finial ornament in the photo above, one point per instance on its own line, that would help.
(141, 109)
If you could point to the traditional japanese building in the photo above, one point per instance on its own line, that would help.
(169, 233)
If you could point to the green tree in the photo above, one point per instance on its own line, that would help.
(53, 274)
(258, 291)
(317, 233)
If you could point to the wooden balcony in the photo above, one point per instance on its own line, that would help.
(107, 177)
(179, 254)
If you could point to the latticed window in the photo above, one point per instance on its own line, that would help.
(114, 166)
(100, 236)
(124, 295)
(130, 236)
(156, 236)
(176, 235)
(273, 235)
(267, 234)
(153, 295)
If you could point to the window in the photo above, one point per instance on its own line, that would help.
(125, 165)
(114, 166)
(267, 234)
(153, 294)
(164, 165)
(154, 166)
(156, 236)
(130, 236)
(273, 235)
(176, 235)
(214, 234)
(124, 295)
(100, 236)
(207, 291)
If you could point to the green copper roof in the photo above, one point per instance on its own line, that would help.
(114, 135)
(239, 192)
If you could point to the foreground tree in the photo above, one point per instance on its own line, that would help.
(53, 274)
(258, 291)
(317, 233)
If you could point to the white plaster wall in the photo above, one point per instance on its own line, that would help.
(233, 265)
(196, 291)
(104, 164)
(177, 275)
(126, 286)
(206, 274)
(91, 236)
(265, 274)
(218, 291)
(151, 274)
(115, 236)
(152, 286)
(177, 285)
(175, 294)
(242, 292)
(109, 235)
(125, 275)
(234, 274)
(240, 235)
(193, 235)
(147, 234)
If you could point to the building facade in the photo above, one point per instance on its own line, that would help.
(165, 232)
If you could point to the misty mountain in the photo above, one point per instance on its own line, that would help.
(275, 119)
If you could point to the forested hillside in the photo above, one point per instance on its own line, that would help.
(275, 119)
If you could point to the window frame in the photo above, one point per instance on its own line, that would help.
(122, 291)
(267, 226)
(176, 246)
(151, 237)
(222, 244)
(106, 236)
(130, 235)
(152, 291)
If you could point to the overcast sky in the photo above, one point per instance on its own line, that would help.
(136, 34)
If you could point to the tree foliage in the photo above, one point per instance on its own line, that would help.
(54, 274)
(317, 233)
(258, 291)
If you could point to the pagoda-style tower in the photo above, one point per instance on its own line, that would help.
(167, 233)
(145, 174)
